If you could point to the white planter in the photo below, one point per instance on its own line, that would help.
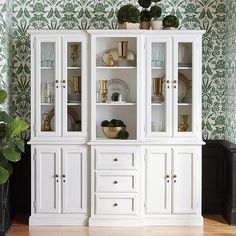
(156, 24)
(128, 25)
(170, 28)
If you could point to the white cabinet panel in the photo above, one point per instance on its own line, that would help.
(184, 181)
(74, 176)
(158, 181)
(47, 180)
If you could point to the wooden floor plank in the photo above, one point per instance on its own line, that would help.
(213, 225)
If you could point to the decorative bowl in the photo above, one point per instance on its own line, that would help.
(111, 132)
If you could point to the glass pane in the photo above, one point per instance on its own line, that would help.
(158, 99)
(185, 87)
(74, 87)
(47, 86)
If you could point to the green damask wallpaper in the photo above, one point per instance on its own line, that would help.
(230, 121)
(84, 14)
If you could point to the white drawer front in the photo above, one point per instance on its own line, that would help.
(113, 182)
(115, 204)
(115, 160)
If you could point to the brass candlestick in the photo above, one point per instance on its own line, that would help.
(157, 87)
(103, 90)
(122, 48)
(74, 54)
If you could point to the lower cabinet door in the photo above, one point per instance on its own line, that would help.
(184, 180)
(74, 180)
(158, 181)
(47, 180)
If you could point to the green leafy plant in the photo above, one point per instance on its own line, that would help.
(145, 16)
(113, 123)
(170, 21)
(155, 12)
(11, 144)
(145, 3)
(128, 13)
(156, 1)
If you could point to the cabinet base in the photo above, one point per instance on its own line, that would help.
(125, 222)
(168, 221)
(58, 220)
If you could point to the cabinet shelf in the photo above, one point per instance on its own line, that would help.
(47, 68)
(47, 104)
(116, 67)
(158, 68)
(184, 104)
(74, 104)
(74, 68)
(158, 104)
(185, 67)
(115, 104)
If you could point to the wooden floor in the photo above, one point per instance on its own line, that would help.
(214, 225)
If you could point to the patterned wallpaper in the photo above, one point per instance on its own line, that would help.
(230, 109)
(84, 14)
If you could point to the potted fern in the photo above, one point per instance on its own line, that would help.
(128, 17)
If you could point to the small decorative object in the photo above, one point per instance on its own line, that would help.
(183, 87)
(74, 54)
(157, 126)
(115, 97)
(123, 134)
(170, 22)
(122, 48)
(113, 128)
(183, 124)
(128, 17)
(47, 92)
(75, 86)
(157, 90)
(103, 90)
(185, 54)
(145, 18)
(155, 12)
(110, 60)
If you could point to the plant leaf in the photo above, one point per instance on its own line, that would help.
(11, 155)
(5, 117)
(3, 96)
(18, 126)
(4, 175)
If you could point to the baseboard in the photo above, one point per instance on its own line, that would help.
(173, 221)
(129, 222)
(72, 219)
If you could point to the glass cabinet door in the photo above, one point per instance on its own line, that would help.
(73, 87)
(183, 87)
(158, 89)
(47, 83)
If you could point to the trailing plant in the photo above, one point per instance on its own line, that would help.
(11, 144)
(145, 15)
(170, 21)
(128, 13)
(155, 12)
(145, 3)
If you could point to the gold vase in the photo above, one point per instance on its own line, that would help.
(122, 48)
(183, 123)
(74, 54)
(157, 86)
(76, 84)
(103, 90)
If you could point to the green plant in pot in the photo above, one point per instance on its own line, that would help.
(155, 12)
(128, 17)
(11, 144)
(170, 22)
(145, 16)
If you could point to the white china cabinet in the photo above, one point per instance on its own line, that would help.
(59, 127)
(144, 140)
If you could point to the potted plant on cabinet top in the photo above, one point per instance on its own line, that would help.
(128, 17)
(170, 22)
(155, 14)
(145, 16)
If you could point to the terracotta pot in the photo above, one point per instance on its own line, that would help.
(145, 25)
(156, 24)
(128, 25)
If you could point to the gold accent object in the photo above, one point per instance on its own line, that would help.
(74, 54)
(76, 84)
(111, 132)
(110, 60)
(183, 124)
(103, 90)
(122, 48)
(157, 86)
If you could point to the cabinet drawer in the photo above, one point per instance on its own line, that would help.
(117, 204)
(115, 160)
(115, 182)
